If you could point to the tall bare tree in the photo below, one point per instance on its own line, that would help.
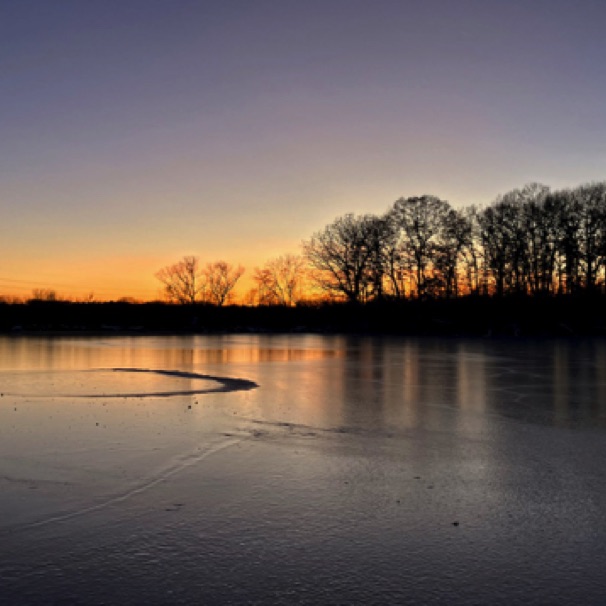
(591, 235)
(220, 278)
(541, 236)
(382, 239)
(473, 272)
(498, 242)
(340, 256)
(420, 220)
(183, 281)
(281, 280)
(453, 237)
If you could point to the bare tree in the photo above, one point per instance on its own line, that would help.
(281, 280)
(497, 241)
(182, 282)
(569, 212)
(540, 235)
(473, 267)
(392, 258)
(420, 221)
(340, 256)
(534, 241)
(382, 242)
(219, 281)
(591, 234)
(519, 240)
(453, 237)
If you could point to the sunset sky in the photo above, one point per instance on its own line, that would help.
(134, 132)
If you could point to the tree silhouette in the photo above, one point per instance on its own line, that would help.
(182, 282)
(341, 255)
(529, 241)
(454, 236)
(535, 241)
(420, 221)
(219, 281)
(591, 233)
(281, 280)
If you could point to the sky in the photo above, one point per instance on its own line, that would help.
(134, 132)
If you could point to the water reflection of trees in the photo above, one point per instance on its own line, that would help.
(371, 382)
(463, 384)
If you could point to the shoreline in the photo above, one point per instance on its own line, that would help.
(471, 316)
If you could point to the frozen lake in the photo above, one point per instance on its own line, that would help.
(302, 470)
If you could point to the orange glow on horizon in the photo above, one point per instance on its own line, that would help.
(108, 279)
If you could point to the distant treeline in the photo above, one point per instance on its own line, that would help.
(530, 241)
(469, 315)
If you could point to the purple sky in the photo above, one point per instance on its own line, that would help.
(136, 131)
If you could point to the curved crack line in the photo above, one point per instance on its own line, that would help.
(227, 384)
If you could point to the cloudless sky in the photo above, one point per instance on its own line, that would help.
(133, 132)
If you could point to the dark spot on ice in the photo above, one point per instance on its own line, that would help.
(417, 477)
(430, 487)
(189, 407)
(97, 424)
(455, 523)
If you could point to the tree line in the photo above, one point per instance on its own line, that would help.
(422, 267)
(530, 241)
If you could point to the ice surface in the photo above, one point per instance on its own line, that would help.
(360, 470)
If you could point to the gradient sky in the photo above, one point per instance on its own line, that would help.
(134, 132)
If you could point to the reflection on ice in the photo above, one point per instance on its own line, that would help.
(334, 471)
